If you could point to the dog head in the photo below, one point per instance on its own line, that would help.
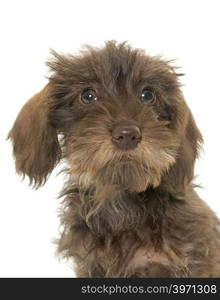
(121, 117)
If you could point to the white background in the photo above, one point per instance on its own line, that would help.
(185, 30)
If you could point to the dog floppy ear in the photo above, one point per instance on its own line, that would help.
(35, 143)
(182, 172)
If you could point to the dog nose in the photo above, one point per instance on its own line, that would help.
(126, 137)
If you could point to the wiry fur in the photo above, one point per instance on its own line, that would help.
(126, 213)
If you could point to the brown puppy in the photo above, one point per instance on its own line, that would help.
(130, 142)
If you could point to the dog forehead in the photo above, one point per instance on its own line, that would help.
(116, 68)
(108, 64)
(122, 66)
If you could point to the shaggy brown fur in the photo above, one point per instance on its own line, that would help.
(130, 142)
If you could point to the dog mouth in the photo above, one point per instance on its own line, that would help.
(137, 168)
(128, 174)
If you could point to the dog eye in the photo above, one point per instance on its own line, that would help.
(89, 96)
(147, 95)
